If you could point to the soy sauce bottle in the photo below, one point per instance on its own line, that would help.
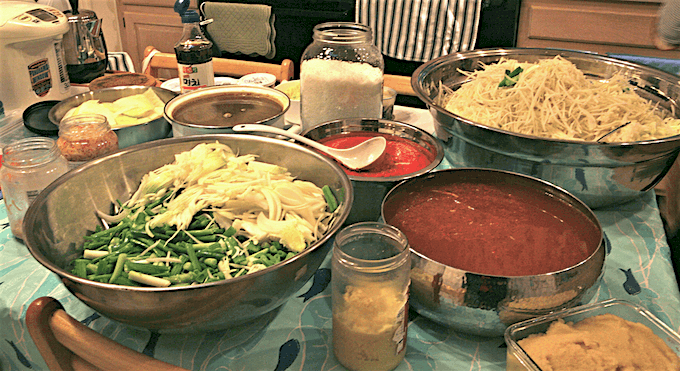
(193, 51)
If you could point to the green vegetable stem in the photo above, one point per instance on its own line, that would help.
(510, 78)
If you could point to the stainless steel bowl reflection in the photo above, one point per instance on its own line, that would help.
(368, 191)
(128, 136)
(65, 211)
(598, 174)
(483, 304)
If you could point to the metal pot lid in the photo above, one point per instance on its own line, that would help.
(219, 107)
(36, 119)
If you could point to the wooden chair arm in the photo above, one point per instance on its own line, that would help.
(67, 344)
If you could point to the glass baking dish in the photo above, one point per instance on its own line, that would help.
(519, 360)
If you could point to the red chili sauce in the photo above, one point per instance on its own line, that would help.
(494, 229)
(401, 155)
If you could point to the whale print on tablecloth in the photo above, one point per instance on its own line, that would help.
(607, 244)
(581, 177)
(150, 347)
(322, 277)
(631, 285)
(90, 319)
(22, 358)
(288, 352)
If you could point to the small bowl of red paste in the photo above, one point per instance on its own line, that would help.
(491, 248)
(410, 152)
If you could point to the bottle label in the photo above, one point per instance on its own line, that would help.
(195, 76)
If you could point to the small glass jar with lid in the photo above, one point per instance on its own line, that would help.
(28, 166)
(86, 137)
(341, 74)
(371, 267)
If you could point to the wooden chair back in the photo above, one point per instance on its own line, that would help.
(68, 345)
(402, 84)
(155, 62)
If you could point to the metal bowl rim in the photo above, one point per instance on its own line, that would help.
(427, 67)
(349, 197)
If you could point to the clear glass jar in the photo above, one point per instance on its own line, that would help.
(85, 137)
(371, 267)
(28, 166)
(341, 74)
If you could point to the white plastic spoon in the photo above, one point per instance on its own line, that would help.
(355, 158)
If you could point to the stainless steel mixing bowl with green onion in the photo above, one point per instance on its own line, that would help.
(66, 211)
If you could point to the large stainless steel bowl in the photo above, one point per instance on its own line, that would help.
(483, 304)
(369, 191)
(65, 211)
(157, 129)
(598, 174)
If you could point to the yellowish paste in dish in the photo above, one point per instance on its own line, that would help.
(604, 342)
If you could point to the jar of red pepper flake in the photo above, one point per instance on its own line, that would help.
(86, 137)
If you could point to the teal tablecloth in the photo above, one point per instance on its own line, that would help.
(298, 337)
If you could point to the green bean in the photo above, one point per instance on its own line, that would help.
(103, 267)
(147, 268)
(117, 228)
(330, 198)
(80, 268)
(252, 247)
(200, 222)
(192, 257)
(182, 278)
(125, 281)
(178, 267)
(91, 268)
(150, 206)
(120, 262)
(211, 262)
(100, 277)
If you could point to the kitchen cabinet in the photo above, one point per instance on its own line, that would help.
(148, 22)
(602, 26)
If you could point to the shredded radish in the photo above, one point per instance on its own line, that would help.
(554, 99)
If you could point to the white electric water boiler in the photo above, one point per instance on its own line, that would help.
(32, 67)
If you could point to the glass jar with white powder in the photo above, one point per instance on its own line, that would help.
(341, 74)
(371, 267)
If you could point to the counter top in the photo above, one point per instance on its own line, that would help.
(297, 336)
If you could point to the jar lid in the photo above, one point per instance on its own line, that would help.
(122, 79)
(262, 79)
(36, 119)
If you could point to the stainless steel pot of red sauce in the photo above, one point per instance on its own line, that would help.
(491, 248)
(410, 152)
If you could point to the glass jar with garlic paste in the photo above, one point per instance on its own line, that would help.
(370, 278)
(28, 166)
(85, 137)
(341, 74)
